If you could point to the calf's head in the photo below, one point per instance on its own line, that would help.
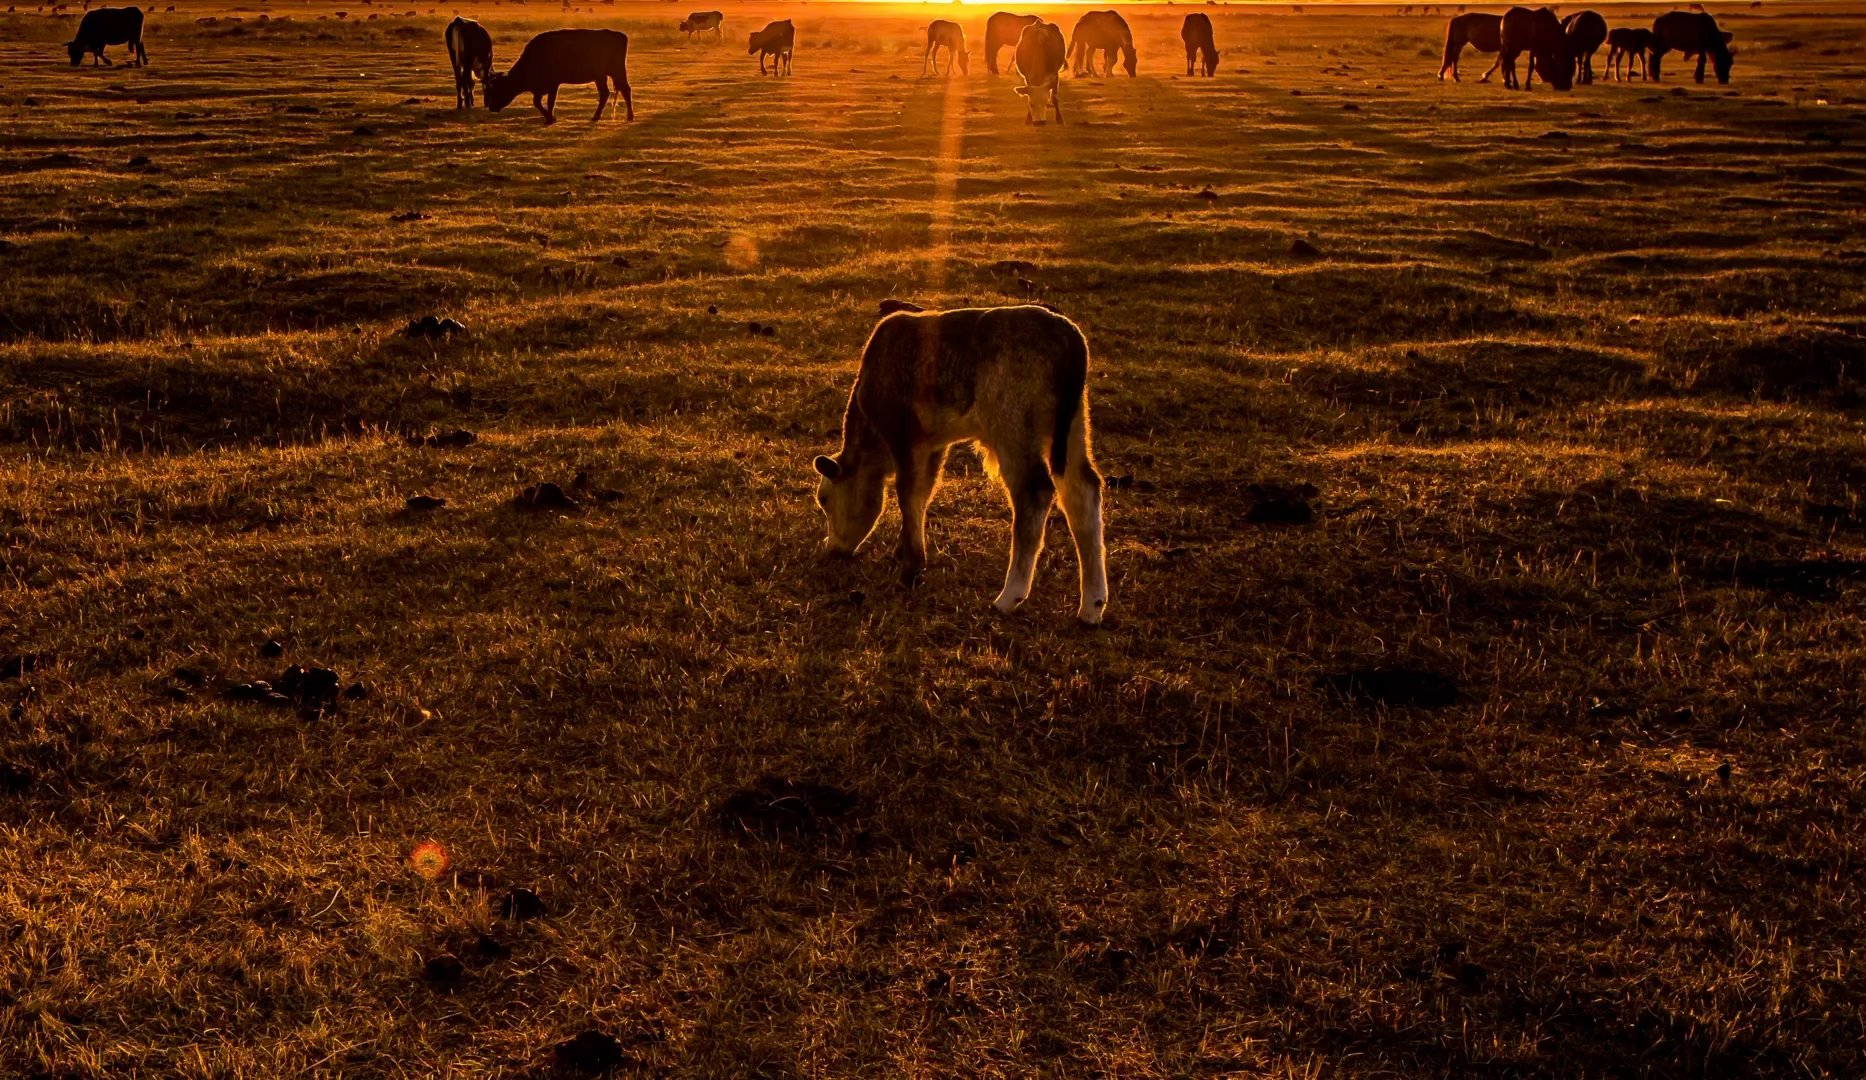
(851, 496)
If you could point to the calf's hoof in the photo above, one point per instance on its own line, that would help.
(1005, 603)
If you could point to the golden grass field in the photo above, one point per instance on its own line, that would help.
(1576, 378)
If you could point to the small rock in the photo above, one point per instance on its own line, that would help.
(857, 597)
(1146, 487)
(14, 778)
(755, 328)
(356, 691)
(1350, 107)
(362, 129)
(1554, 135)
(521, 904)
(139, 161)
(620, 261)
(409, 215)
(489, 948)
(271, 648)
(1302, 249)
(425, 502)
(590, 1052)
(712, 309)
(445, 440)
(443, 972)
(12, 667)
(546, 496)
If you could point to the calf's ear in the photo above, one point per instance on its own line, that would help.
(828, 466)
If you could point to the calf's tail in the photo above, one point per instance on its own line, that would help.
(1071, 382)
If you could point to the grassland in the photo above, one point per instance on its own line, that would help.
(1576, 379)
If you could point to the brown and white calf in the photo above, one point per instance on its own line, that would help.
(701, 21)
(776, 40)
(1014, 380)
(469, 46)
(1040, 57)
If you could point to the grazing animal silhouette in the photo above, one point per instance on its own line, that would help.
(469, 46)
(1691, 33)
(1585, 30)
(1537, 32)
(1196, 32)
(1480, 31)
(556, 57)
(1040, 57)
(109, 26)
(1105, 32)
(1014, 380)
(1625, 44)
(776, 41)
(947, 34)
(701, 21)
(1693, 36)
(1001, 32)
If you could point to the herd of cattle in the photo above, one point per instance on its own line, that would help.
(1562, 51)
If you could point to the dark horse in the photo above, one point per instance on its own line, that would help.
(1539, 34)
(1585, 31)
(1628, 43)
(1691, 32)
(1201, 49)
(1478, 30)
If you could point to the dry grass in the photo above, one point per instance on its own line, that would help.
(1576, 376)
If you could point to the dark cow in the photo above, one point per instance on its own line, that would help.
(1687, 32)
(1628, 43)
(701, 21)
(469, 46)
(109, 26)
(1196, 32)
(1041, 55)
(776, 41)
(1478, 30)
(1103, 32)
(556, 57)
(1001, 32)
(1537, 32)
(1011, 380)
(1585, 31)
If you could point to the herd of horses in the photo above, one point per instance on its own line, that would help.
(1562, 51)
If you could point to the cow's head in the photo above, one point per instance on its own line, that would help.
(753, 51)
(500, 90)
(686, 26)
(850, 490)
(77, 52)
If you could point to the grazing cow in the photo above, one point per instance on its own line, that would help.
(776, 41)
(109, 26)
(1196, 32)
(1104, 32)
(947, 34)
(1012, 379)
(701, 21)
(556, 57)
(1478, 30)
(469, 46)
(1628, 43)
(1538, 33)
(1001, 32)
(1688, 32)
(1585, 30)
(1040, 58)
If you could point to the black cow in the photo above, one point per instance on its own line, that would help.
(109, 26)
(469, 46)
(556, 57)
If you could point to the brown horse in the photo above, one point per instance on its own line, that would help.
(1001, 32)
(1628, 43)
(1104, 32)
(1480, 32)
(1200, 46)
(1585, 30)
(1691, 32)
(1538, 33)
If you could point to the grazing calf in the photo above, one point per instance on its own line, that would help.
(701, 21)
(112, 26)
(469, 46)
(1196, 32)
(1585, 30)
(1040, 58)
(1012, 379)
(1538, 33)
(1688, 32)
(1478, 30)
(1628, 43)
(1001, 32)
(947, 34)
(775, 40)
(1105, 32)
(556, 57)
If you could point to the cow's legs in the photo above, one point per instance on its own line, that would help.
(1703, 56)
(923, 61)
(602, 97)
(1032, 495)
(761, 63)
(914, 482)
(628, 99)
(1082, 507)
